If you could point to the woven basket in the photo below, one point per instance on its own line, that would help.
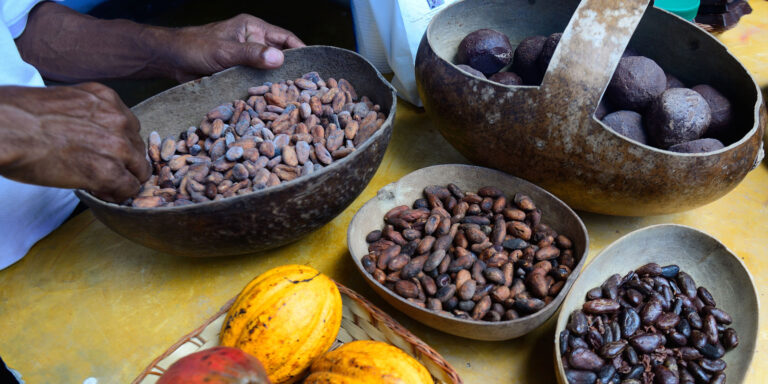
(360, 320)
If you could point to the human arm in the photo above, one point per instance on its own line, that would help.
(68, 46)
(79, 136)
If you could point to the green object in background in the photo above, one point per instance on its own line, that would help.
(687, 9)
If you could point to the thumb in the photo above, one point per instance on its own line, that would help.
(255, 55)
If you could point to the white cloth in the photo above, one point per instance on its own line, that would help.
(388, 33)
(27, 212)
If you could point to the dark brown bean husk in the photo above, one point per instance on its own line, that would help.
(656, 320)
(466, 248)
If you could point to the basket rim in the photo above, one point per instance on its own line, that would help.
(375, 312)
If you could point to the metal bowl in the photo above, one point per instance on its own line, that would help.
(270, 217)
(469, 178)
(708, 261)
(547, 134)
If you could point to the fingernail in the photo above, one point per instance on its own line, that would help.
(273, 56)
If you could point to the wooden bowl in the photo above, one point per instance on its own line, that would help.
(548, 134)
(360, 320)
(270, 217)
(469, 178)
(708, 261)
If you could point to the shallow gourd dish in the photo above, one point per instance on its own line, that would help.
(405, 191)
(710, 263)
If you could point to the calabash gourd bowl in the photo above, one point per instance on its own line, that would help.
(548, 134)
(262, 219)
(469, 178)
(710, 263)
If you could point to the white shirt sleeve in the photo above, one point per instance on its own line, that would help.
(27, 212)
(15, 14)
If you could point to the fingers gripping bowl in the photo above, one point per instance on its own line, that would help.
(270, 217)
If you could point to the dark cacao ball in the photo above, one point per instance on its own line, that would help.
(485, 50)
(547, 51)
(698, 146)
(628, 124)
(720, 107)
(470, 70)
(637, 81)
(525, 60)
(677, 116)
(674, 82)
(506, 78)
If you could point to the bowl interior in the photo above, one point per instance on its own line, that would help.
(469, 178)
(517, 19)
(173, 111)
(707, 260)
(679, 47)
(696, 57)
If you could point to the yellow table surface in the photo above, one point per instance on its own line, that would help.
(86, 303)
(748, 41)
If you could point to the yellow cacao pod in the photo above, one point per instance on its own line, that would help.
(286, 318)
(367, 361)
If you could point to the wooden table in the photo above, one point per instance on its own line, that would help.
(86, 303)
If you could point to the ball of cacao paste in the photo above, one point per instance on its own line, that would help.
(628, 124)
(720, 107)
(698, 146)
(525, 61)
(506, 78)
(603, 108)
(485, 50)
(677, 116)
(674, 82)
(470, 70)
(637, 81)
(547, 51)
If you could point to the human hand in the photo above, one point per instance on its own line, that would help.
(67, 46)
(80, 136)
(241, 40)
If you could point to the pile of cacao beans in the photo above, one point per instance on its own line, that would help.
(472, 255)
(282, 131)
(651, 326)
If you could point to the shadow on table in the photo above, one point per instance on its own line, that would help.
(541, 364)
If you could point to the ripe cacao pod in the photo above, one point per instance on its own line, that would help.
(218, 365)
(286, 318)
(367, 361)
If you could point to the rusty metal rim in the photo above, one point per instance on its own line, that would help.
(747, 135)
(386, 125)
